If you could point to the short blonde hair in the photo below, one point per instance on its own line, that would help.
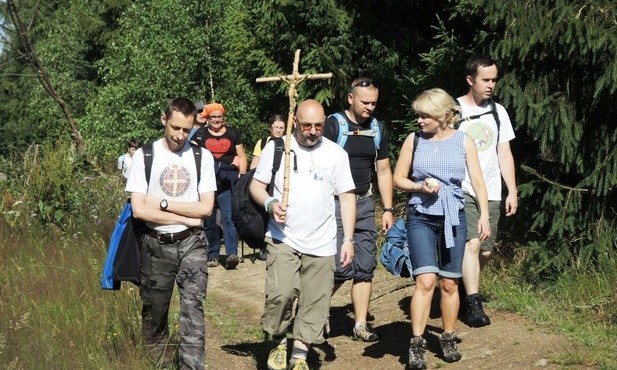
(436, 103)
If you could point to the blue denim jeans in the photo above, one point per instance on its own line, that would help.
(427, 247)
(223, 199)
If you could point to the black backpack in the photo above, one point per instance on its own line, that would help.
(249, 217)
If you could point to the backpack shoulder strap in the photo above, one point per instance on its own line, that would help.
(376, 128)
(148, 157)
(492, 111)
(197, 155)
(416, 140)
(343, 131)
(343, 128)
(495, 116)
(264, 141)
(279, 148)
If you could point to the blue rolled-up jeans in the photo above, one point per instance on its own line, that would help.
(427, 247)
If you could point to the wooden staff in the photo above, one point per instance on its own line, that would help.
(293, 80)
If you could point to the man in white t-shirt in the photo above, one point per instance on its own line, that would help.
(496, 162)
(301, 237)
(173, 205)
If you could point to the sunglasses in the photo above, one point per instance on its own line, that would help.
(364, 83)
(308, 126)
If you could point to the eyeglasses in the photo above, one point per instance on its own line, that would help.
(308, 126)
(364, 83)
(215, 117)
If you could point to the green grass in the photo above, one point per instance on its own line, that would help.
(54, 314)
(581, 306)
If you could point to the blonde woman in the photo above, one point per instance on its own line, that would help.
(436, 222)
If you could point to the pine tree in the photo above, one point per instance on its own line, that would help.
(559, 80)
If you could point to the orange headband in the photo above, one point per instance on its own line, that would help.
(213, 107)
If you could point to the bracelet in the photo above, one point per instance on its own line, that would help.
(391, 210)
(269, 203)
(349, 240)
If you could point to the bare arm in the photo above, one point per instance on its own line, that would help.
(254, 161)
(260, 195)
(258, 191)
(256, 154)
(384, 182)
(243, 164)
(477, 182)
(190, 214)
(506, 167)
(401, 171)
(348, 218)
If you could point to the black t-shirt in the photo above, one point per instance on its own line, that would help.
(361, 150)
(222, 147)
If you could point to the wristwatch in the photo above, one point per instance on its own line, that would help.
(391, 210)
(164, 205)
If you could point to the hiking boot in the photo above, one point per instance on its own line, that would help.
(277, 359)
(448, 347)
(298, 364)
(231, 262)
(213, 262)
(365, 333)
(475, 315)
(262, 255)
(417, 347)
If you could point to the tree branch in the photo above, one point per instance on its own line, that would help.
(41, 73)
(534, 172)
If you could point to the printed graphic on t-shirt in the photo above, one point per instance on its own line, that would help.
(481, 134)
(218, 147)
(175, 180)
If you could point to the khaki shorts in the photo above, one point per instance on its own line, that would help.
(472, 210)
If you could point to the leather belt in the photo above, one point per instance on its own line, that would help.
(168, 238)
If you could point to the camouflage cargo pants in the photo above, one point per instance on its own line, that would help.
(183, 262)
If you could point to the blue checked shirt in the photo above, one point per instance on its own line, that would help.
(445, 161)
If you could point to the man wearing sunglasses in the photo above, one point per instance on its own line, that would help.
(301, 237)
(366, 142)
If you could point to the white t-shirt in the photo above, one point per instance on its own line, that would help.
(482, 130)
(173, 177)
(323, 172)
(124, 164)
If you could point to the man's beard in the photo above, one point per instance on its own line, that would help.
(303, 141)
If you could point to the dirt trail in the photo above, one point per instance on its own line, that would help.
(510, 342)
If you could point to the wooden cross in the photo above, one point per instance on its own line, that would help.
(293, 80)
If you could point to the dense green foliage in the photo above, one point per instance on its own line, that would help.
(115, 62)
